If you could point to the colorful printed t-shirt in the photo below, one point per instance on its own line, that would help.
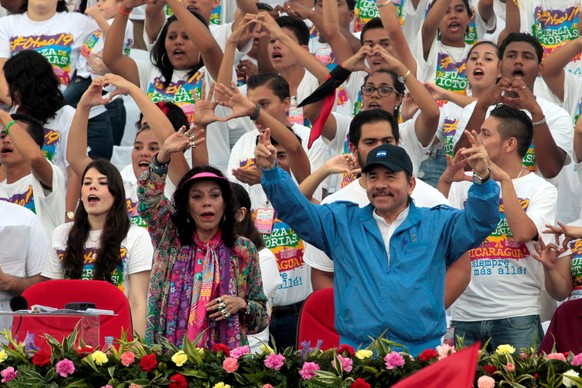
(136, 253)
(505, 280)
(58, 39)
(554, 23)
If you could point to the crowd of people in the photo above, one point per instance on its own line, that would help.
(421, 157)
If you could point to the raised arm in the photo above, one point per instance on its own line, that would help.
(431, 24)
(339, 164)
(398, 42)
(554, 64)
(113, 56)
(237, 35)
(77, 143)
(156, 119)
(242, 106)
(427, 121)
(341, 45)
(512, 20)
(486, 9)
(309, 61)
(155, 18)
(200, 34)
(30, 151)
(559, 281)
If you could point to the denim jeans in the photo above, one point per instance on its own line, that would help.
(519, 332)
(283, 325)
(100, 137)
(75, 90)
(432, 168)
(117, 116)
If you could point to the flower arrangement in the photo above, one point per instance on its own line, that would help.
(130, 364)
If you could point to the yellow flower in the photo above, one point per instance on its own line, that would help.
(221, 385)
(99, 357)
(180, 358)
(267, 349)
(505, 349)
(364, 354)
(3, 355)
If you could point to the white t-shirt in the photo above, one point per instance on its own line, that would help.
(94, 45)
(28, 192)
(56, 137)
(558, 120)
(505, 280)
(283, 242)
(271, 281)
(424, 195)
(27, 257)
(447, 127)
(58, 39)
(181, 91)
(307, 85)
(136, 255)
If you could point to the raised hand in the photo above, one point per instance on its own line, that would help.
(180, 141)
(93, 96)
(570, 232)
(122, 86)
(204, 110)
(265, 152)
(476, 156)
(343, 164)
(358, 60)
(547, 254)
(455, 171)
(232, 98)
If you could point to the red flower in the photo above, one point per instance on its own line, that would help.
(346, 349)
(148, 362)
(222, 348)
(360, 383)
(427, 355)
(535, 376)
(178, 381)
(42, 358)
(490, 369)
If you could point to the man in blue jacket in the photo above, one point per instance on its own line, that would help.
(390, 256)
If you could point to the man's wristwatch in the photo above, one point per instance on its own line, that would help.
(480, 180)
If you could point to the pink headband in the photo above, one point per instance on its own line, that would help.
(205, 175)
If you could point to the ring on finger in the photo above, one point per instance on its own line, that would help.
(222, 305)
(219, 300)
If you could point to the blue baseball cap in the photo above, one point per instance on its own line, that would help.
(390, 156)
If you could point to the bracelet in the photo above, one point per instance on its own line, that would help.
(382, 4)
(404, 77)
(8, 126)
(255, 115)
(158, 167)
(121, 11)
(538, 123)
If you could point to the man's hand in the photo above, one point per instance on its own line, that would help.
(476, 156)
(518, 96)
(269, 24)
(249, 175)
(547, 254)
(570, 232)
(265, 152)
(240, 104)
(498, 174)
(455, 171)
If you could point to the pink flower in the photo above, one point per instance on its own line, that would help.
(230, 364)
(523, 355)
(274, 361)
(393, 360)
(510, 367)
(308, 370)
(8, 374)
(267, 386)
(127, 358)
(445, 350)
(107, 386)
(346, 363)
(65, 367)
(577, 360)
(240, 351)
(486, 382)
(556, 356)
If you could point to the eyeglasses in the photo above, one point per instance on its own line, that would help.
(383, 91)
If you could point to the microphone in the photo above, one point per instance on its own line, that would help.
(18, 302)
